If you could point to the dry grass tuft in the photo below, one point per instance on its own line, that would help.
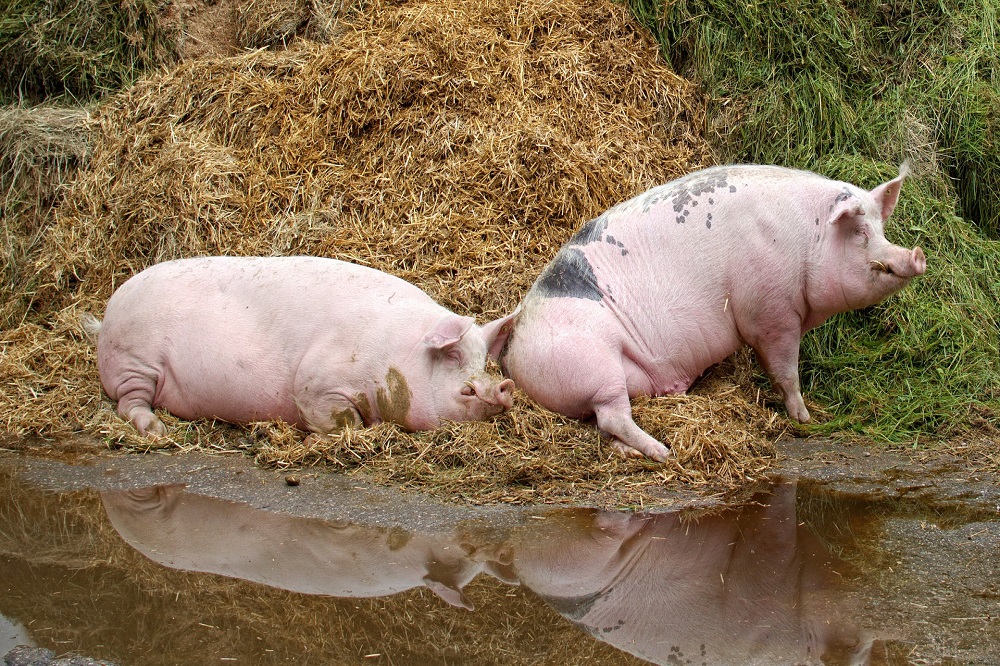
(455, 144)
(39, 147)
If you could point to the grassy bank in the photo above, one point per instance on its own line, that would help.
(849, 90)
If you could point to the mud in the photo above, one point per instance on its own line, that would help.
(845, 555)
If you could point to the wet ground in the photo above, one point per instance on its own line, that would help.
(845, 556)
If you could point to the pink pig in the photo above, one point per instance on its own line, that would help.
(318, 343)
(647, 296)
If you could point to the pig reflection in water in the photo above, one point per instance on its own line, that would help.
(749, 588)
(741, 587)
(192, 532)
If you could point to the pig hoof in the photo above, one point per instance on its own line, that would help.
(156, 429)
(148, 425)
(658, 452)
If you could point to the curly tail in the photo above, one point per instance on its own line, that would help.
(91, 326)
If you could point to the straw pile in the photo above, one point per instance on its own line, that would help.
(455, 144)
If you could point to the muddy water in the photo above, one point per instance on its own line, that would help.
(206, 560)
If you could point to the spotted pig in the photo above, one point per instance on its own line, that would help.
(647, 296)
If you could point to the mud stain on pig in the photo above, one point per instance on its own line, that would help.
(569, 275)
(393, 399)
(364, 408)
(347, 418)
(397, 537)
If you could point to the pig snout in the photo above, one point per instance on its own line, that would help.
(902, 263)
(493, 393)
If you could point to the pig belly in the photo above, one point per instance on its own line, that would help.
(223, 372)
(228, 387)
(567, 354)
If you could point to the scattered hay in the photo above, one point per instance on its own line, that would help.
(531, 455)
(455, 144)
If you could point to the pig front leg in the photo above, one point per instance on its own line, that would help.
(778, 353)
(328, 414)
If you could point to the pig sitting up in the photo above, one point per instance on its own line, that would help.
(318, 343)
(647, 296)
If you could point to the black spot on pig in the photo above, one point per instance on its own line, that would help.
(569, 275)
(844, 195)
(590, 232)
(708, 220)
(654, 197)
(613, 241)
(688, 191)
(574, 608)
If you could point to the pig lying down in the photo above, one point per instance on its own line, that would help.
(647, 296)
(318, 343)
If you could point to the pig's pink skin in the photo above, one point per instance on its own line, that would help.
(318, 343)
(654, 291)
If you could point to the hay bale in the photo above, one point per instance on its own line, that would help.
(455, 144)
(40, 148)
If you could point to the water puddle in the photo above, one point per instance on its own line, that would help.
(196, 560)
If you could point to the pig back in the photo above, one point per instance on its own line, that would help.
(671, 270)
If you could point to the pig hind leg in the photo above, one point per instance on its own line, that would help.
(605, 394)
(614, 418)
(135, 403)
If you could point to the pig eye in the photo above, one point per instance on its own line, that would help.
(454, 356)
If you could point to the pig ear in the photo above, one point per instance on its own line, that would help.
(887, 194)
(449, 593)
(846, 211)
(448, 330)
(497, 331)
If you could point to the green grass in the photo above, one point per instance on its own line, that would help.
(78, 49)
(850, 89)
